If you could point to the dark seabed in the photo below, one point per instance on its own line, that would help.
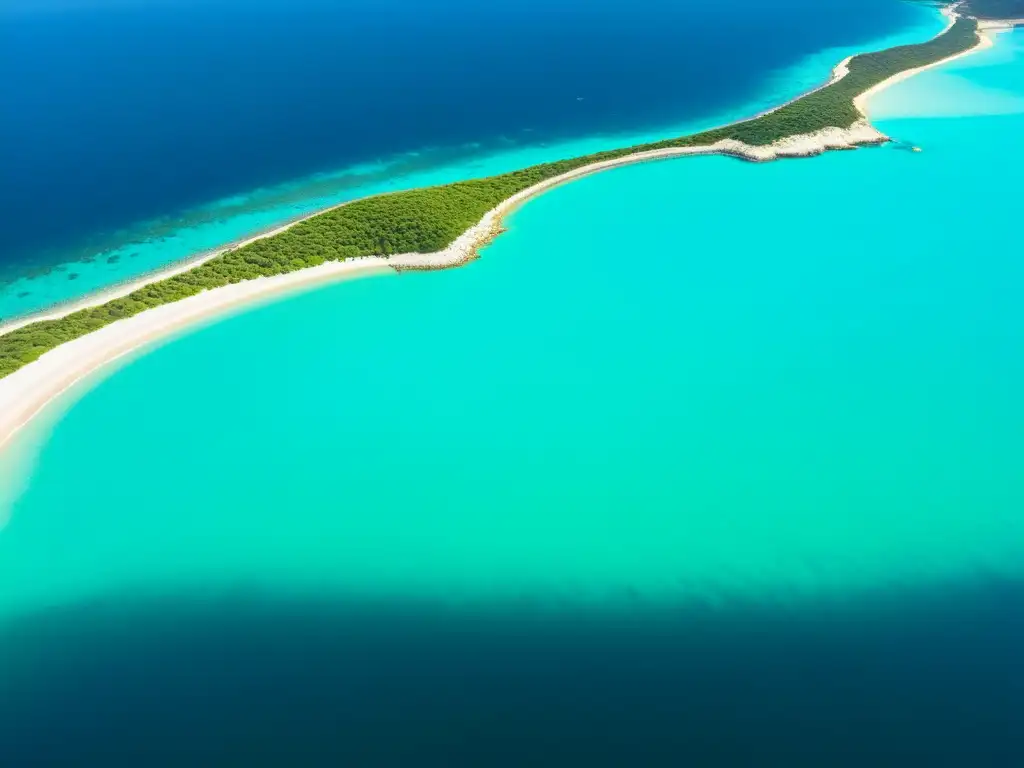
(924, 679)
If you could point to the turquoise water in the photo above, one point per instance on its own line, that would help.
(151, 245)
(697, 379)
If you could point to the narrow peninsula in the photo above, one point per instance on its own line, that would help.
(430, 228)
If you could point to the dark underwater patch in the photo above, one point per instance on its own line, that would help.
(926, 679)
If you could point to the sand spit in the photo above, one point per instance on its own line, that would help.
(984, 41)
(1000, 25)
(27, 391)
(802, 146)
(123, 289)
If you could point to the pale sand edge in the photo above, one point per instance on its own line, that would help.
(1000, 25)
(861, 102)
(123, 289)
(25, 393)
(23, 398)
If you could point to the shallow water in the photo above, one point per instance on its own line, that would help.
(129, 208)
(702, 462)
(696, 379)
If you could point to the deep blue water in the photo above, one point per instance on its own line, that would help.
(118, 112)
(930, 679)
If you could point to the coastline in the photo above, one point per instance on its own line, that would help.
(23, 398)
(25, 393)
(123, 289)
(1000, 24)
(984, 41)
(754, 154)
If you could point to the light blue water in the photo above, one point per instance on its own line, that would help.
(693, 379)
(132, 248)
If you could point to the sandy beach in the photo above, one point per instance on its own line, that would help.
(26, 392)
(119, 291)
(984, 41)
(1001, 24)
(123, 289)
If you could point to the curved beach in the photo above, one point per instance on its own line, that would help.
(27, 391)
(754, 154)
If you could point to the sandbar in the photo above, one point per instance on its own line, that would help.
(25, 393)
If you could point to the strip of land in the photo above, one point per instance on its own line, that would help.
(99, 298)
(122, 290)
(1000, 24)
(984, 41)
(433, 228)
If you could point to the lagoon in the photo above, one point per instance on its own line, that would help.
(129, 206)
(790, 400)
(700, 459)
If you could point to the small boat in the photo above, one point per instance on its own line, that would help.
(899, 144)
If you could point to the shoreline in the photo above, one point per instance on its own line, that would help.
(120, 290)
(27, 392)
(62, 369)
(984, 41)
(1000, 24)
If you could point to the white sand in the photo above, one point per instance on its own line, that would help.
(1001, 25)
(984, 41)
(119, 291)
(26, 392)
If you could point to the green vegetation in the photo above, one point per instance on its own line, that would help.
(986, 9)
(426, 220)
(996, 9)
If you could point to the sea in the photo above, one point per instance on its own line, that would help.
(702, 462)
(138, 133)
